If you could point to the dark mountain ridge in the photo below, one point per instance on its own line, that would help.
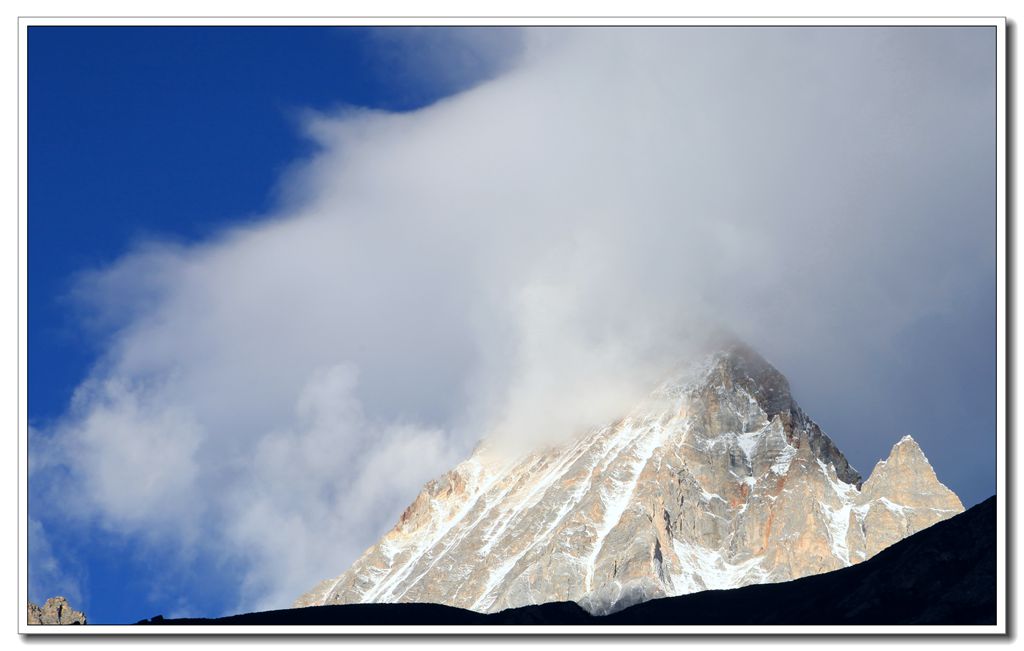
(943, 575)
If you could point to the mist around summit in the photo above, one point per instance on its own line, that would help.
(525, 260)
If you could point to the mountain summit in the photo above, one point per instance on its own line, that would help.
(717, 480)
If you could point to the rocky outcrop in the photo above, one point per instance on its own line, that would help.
(901, 497)
(716, 481)
(56, 611)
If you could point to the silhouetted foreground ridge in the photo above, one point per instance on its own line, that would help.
(945, 574)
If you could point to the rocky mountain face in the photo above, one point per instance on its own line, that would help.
(944, 575)
(717, 480)
(56, 610)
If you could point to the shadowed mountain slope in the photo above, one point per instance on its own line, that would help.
(945, 574)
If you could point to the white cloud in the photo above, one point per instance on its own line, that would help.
(524, 257)
(48, 578)
(313, 495)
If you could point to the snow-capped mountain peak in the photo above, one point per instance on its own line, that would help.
(717, 480)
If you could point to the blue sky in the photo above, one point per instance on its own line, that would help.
(292, 273)
(118, 117)
(174, 133)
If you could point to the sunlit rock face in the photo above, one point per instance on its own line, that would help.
(715, 481)
(56, 611)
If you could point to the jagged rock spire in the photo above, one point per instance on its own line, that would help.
(56, 611)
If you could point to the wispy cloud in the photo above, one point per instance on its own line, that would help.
(48, 577)
(524, 257)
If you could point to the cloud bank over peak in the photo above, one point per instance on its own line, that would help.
(525, 257)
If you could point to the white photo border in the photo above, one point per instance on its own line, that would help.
(1001, 626)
